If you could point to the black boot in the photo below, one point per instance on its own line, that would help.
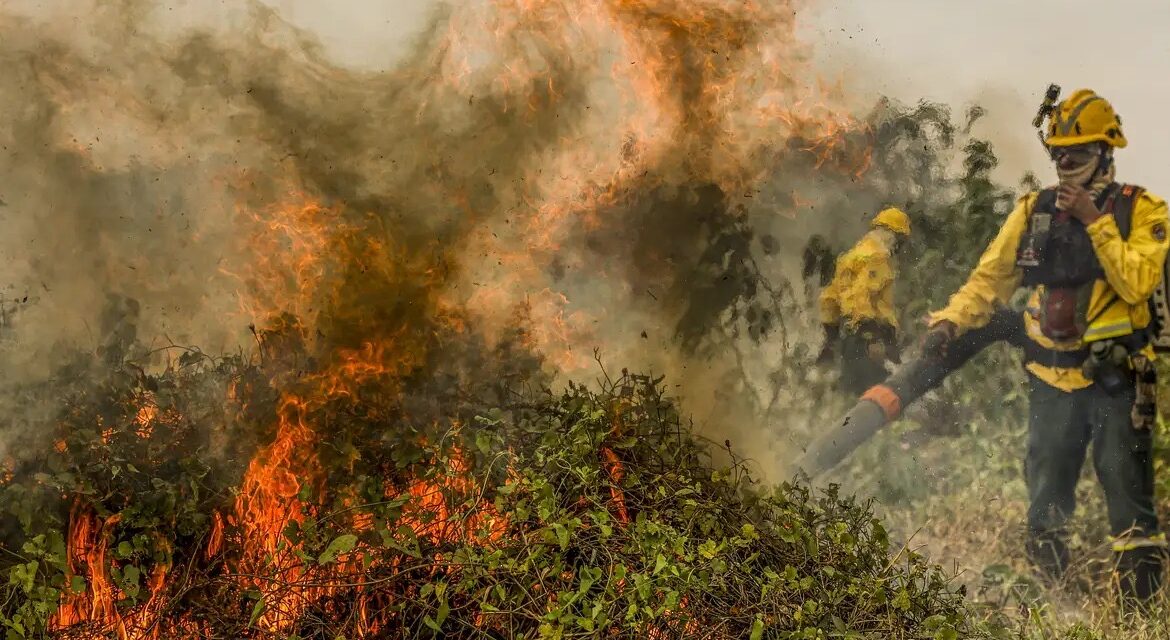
(1139, 572)
(1049, 553)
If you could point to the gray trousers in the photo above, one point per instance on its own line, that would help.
(1061, 427)
(859, 372)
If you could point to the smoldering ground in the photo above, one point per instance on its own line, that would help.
(635, 177)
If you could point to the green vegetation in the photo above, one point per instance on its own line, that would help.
(577, 514)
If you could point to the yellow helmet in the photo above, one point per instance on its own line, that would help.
(894, 220)
(1084, 117)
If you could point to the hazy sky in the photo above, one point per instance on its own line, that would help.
(1007, 52)
(1001, 52)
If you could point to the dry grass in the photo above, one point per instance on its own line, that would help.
(972, 523)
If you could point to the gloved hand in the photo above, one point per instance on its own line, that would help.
(893, 354)
(938, 337)
(880, 342)
(832, 334)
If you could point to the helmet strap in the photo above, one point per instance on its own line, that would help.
(1103, 176)
(1106, 161)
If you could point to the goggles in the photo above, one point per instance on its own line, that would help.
(1076, 155)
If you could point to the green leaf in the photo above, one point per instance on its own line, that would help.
(341, 544)
(23, 575)
(757, 629)
(483, 442)
(709, 549)
(125, 550)
(672, 598)
(130, 578)
(257, 611)
(901, 601)
(430, 622)
(562, 534)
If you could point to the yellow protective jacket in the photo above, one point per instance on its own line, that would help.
(1118, 303)
(862, 288)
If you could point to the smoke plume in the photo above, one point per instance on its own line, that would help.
(631, 181)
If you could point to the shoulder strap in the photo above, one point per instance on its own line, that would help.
(1044, 202)
(1118, 200)
(1121, 204)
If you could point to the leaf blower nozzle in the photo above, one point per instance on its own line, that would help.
(884, 402)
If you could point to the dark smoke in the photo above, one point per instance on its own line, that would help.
(635, 176)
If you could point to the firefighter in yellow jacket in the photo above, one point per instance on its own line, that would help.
(1092, 252)
(857, 306)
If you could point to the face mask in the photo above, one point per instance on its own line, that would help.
(1080, 174)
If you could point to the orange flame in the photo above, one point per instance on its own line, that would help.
(88, 544)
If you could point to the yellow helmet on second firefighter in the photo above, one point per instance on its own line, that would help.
(893, 219)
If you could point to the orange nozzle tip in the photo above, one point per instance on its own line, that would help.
(884, 397)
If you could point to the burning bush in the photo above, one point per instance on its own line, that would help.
(498, 509)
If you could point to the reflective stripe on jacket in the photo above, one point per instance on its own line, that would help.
(1118, 304)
